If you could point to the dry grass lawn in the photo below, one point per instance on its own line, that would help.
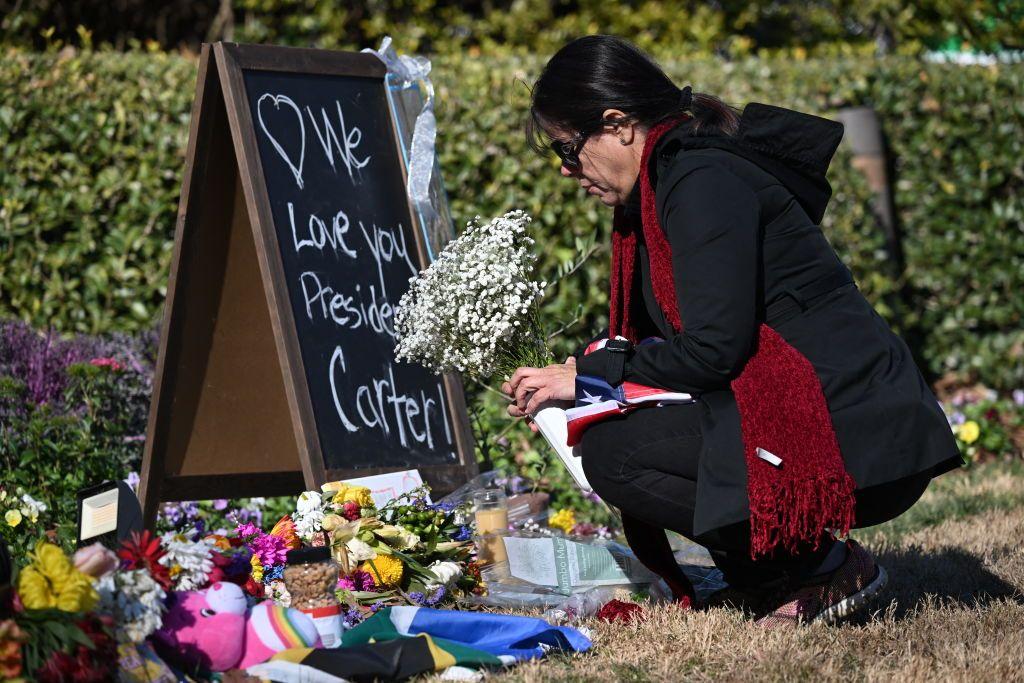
(954, 609)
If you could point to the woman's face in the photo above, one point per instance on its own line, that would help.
(609, 160)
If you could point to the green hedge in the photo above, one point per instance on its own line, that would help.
(92, 149)
(666, 27)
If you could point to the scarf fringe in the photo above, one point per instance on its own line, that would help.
(798, 511)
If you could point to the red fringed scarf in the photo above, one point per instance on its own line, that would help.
(811, 491)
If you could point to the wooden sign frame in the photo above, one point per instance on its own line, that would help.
(222, 424)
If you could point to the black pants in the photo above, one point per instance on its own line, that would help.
(645, 464)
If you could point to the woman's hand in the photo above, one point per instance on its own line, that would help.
(531, 387)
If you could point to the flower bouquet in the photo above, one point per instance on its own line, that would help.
(476, 310)
(409, 551)
(75, 618)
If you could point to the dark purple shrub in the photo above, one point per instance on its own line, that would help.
(38, 360)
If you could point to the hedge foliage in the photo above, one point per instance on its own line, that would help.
(92, 149)
(666, 27)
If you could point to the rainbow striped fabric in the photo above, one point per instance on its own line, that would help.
(400, 642)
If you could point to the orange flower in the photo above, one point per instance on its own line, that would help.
(219, 542)
(285, 530)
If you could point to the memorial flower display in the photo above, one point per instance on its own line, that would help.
(75, 616)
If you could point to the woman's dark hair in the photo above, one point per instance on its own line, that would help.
(595, 73)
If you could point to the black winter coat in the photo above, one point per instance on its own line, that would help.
(742, 215)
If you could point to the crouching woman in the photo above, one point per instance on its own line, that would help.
(810, 416)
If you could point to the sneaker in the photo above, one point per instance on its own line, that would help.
(833, 596)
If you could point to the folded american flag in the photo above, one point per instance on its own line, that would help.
(596, 400)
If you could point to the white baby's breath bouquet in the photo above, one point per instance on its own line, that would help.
(475, 309)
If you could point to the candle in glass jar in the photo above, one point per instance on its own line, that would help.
(491, 513)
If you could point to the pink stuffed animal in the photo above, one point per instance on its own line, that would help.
(213, 630)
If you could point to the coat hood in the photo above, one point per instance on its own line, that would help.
(793, 146)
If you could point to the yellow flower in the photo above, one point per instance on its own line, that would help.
(969, 432)
(354, 494)
(12, 517)
(51, 580)
(564, 519)
(386, 570)
(257, 568)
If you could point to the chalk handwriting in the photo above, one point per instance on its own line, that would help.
(329, 142)
(319, 235)
(277, 100)
(379, 405)
(384, 246)
(323, 302)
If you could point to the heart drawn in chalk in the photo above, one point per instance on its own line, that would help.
(277, 101)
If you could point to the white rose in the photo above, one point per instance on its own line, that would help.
(359, 550)
(447, 573)
(409, 539)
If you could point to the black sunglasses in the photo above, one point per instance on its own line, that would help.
(569, 152)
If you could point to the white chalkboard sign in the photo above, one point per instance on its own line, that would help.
(294, 244)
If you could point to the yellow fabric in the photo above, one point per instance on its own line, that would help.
(442, 659)
(295, 655)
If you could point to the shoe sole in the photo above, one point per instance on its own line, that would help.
(854, 603)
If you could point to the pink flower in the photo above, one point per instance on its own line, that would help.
(107, 363)
(357, 581)
(351, 511)
(270, 549)
(95, 560)
(247, 531)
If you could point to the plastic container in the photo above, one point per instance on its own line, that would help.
(311, 577)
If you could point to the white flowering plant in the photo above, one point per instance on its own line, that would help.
(135, 601)
(475, 309)
(188, 562)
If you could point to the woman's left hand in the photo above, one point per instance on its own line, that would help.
(533, 386)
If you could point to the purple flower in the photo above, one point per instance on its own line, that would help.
(352, 617)
(463, 534)
(172, 514)
(1018, 396)
(416, 598)
(247, 530)
(220, 504)
(243, 515)
(437, 597)
(270, 549)
(377, 606)
(241, 563)
(357, 581)
(957, 418)
(191, 510)
(133, 480)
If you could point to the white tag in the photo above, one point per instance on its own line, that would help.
(768, 456)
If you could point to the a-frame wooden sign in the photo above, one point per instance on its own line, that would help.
(295, 240)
